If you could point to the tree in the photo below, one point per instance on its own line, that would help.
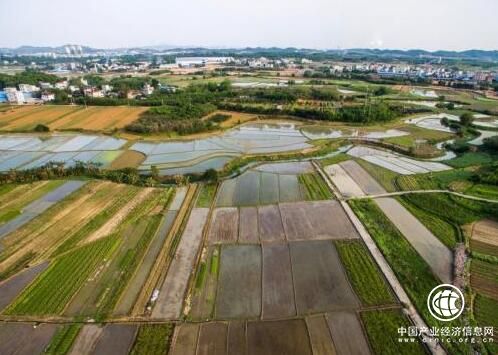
(491, 143)
(154, 172)
(466, 119)
(41, 128)
(211, 175)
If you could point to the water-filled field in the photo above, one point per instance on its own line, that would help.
(252, 138)
(395, 162)
(29, 152)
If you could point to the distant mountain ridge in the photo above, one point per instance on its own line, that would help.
(476, 54)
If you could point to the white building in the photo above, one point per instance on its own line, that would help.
(61, 85)
(14, 96)
(147, 90)
(44, 85)
(48, 96)
(106, 88)
(200, 61)
(28, 88)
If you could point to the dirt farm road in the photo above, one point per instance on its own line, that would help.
(434, 347)
(398, 193)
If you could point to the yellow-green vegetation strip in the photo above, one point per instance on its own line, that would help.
(97, 221)
(364, 274)
(382, 331)
(61, 342)
(153, 339)
(434, 180)
(437, 211)
(448, 233)
(315, 187)
(53, 289)
(206, 195)
(410, 268)
(128, 260)
(384, 176)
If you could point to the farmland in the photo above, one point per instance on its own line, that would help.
(77, 118)
(364, 274)
(380, 326)
(416, 275)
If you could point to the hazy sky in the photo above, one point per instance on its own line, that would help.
(427, 24)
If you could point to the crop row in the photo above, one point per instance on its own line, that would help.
(410, 268)
(448, 233)
(382, 330)
(50, 292)
(63, 339)
(364, 274)
(136, 233)
(316, 189)
(97, 221)
(153, 339)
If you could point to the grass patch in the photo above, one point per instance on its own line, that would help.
(53, 289)
(364, 274)
(315, 188)
(63, 339)
(206, 195)
(153, 339)
(382, 331)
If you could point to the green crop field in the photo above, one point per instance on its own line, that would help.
(315, 187)
(448, 233)
(452, 208)
(364, 274)
(410, 268)
(153, 339)
(470, 159)
(63, 339)
(382, 331)
(57, 285)
(98, 221)
(135, 234)
(206, 195)
(486, 314)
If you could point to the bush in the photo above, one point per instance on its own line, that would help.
(491, 143)
(466, 119)
(41, 128)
